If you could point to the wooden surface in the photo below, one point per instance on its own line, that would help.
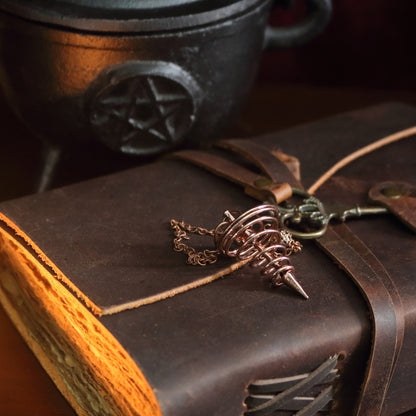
(25, 389)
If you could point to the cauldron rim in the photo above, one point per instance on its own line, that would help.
(128, 16)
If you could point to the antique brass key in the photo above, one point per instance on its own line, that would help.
(310, 218)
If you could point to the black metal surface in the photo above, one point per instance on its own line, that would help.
(127, 15)
(64, 76)
(137, 107)
(140, 77)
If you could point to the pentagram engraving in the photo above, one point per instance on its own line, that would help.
(143, 113)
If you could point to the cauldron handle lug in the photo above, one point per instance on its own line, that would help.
(318, 16)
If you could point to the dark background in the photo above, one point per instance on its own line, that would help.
(365, 56)
(368, 43)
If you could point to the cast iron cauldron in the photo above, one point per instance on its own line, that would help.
(139, 76)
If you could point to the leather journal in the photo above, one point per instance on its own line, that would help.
(89, 277)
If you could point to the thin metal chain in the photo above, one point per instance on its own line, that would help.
(200, 258)
(292, 245)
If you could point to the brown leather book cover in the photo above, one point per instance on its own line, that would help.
(77, 262)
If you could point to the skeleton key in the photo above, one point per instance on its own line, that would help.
(310, 219)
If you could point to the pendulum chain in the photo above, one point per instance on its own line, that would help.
(199, 258)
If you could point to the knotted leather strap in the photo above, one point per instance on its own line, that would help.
(347, 250)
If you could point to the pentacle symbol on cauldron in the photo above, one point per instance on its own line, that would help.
(144, 108)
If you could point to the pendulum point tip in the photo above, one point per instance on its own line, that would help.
(291, 281)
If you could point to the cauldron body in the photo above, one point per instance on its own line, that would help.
(139, 87)
(173, 85)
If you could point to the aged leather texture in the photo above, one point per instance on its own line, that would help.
(200, 350)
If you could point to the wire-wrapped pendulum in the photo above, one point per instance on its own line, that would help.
(255, 236)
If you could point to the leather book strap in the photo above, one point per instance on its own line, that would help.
(399, 198)
(344, 247)
(275, 180)
(383, 300)
(257, 186)
(267, 161)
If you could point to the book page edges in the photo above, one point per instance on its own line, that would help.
(86, 362)
(31, 247)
